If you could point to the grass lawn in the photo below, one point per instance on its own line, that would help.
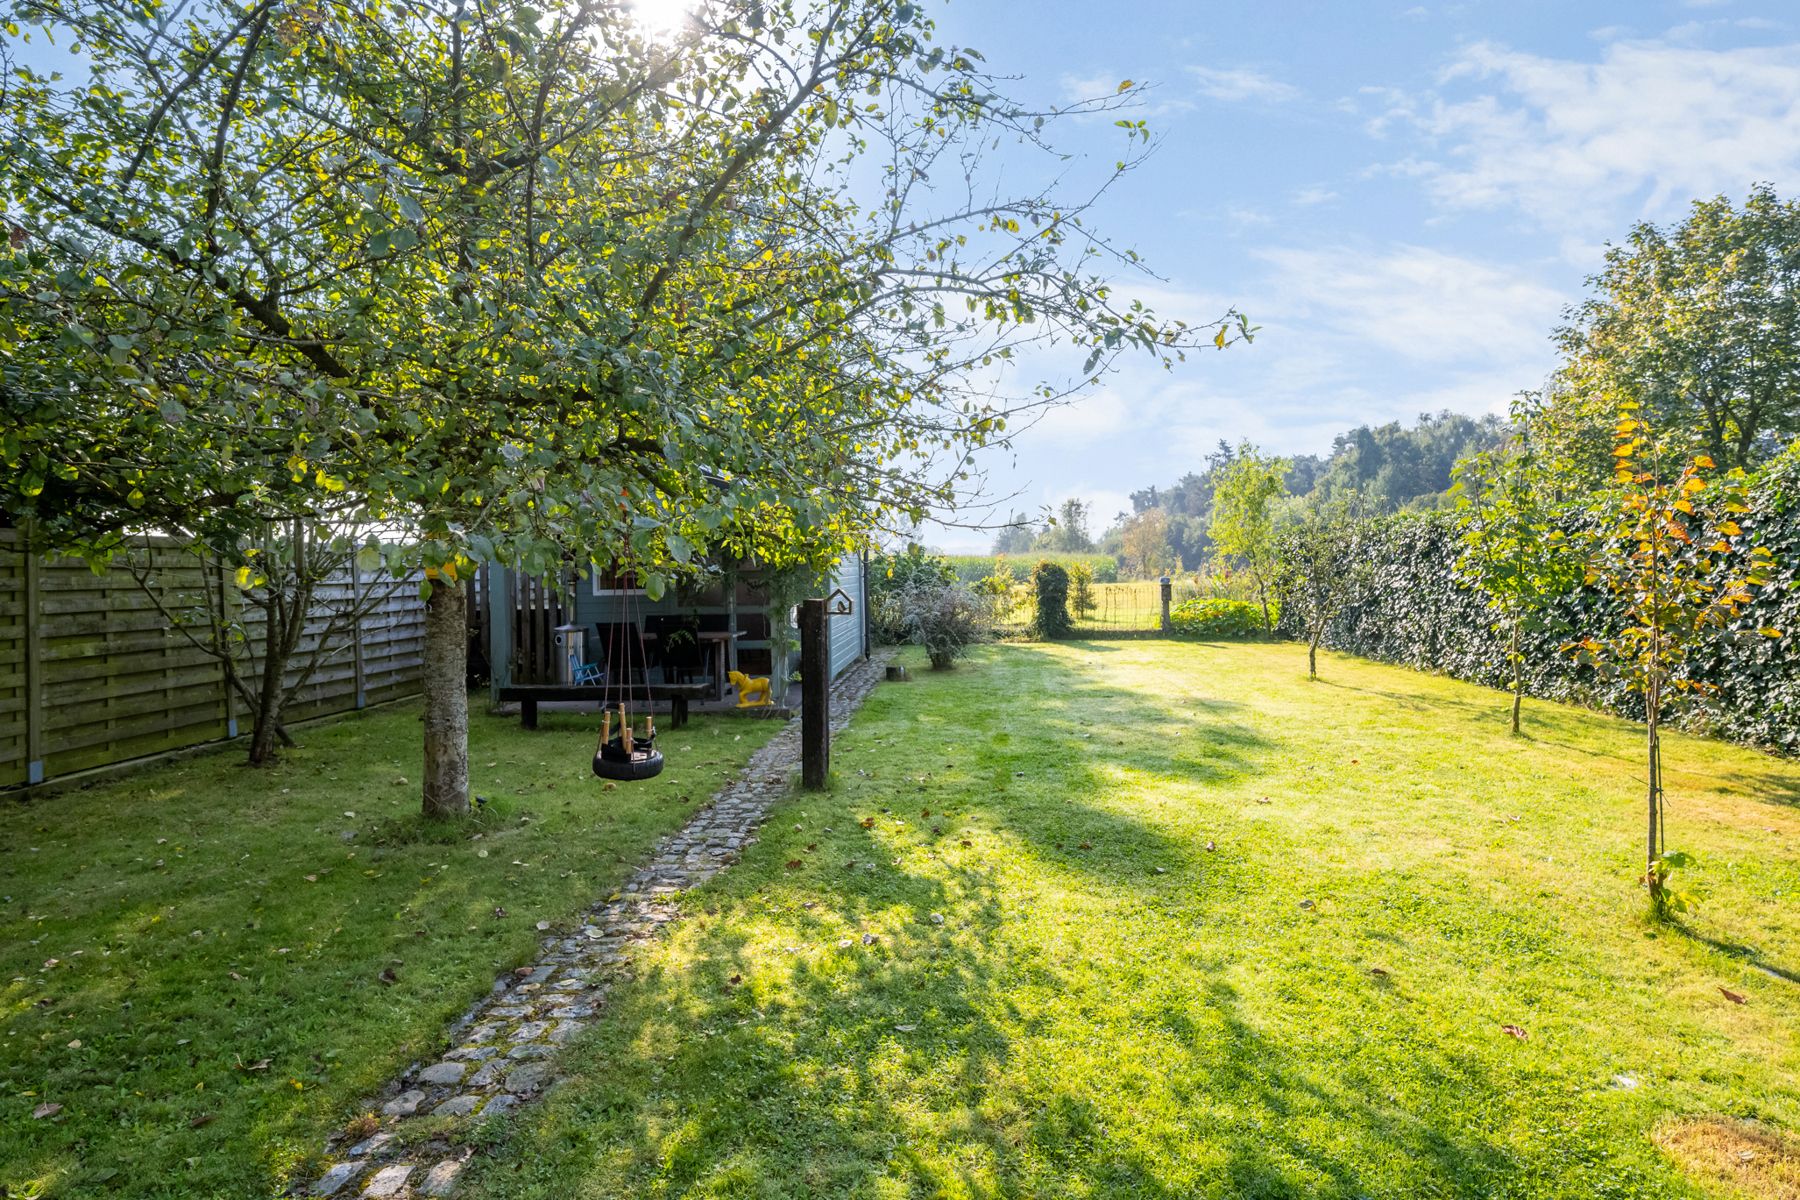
(1149, 982)
(208, 966)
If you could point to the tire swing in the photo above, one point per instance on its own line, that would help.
(623, 754)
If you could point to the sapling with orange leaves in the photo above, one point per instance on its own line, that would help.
(1669, 547)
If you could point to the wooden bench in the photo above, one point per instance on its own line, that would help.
(530, 695)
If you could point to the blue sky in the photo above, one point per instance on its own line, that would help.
(1404, 196)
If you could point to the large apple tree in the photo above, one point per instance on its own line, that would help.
(534, 286)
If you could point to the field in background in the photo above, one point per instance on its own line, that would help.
(1133, 607)
(972, 568)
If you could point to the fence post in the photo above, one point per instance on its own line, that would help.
(34, 666)
(1167, 593)
(815, 696)
(356, 631)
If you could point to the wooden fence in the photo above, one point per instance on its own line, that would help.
(92, 673)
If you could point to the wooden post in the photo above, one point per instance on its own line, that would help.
(34, 664)
(1167, 590)
(815, 696)
(731, 618)
(500, 617)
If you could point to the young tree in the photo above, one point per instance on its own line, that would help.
(537, 286)
(1669, 550)
(1318, 566)
(1144, 550)
(1248, 491)
(1067, 532)
(1081, 589)
(304, 587)
(1514, 548)
(1016, 536)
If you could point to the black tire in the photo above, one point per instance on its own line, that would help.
(645, 764)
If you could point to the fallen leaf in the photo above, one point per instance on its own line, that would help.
(924, 812)
(1379, 972)
(388, 976)
(1210, 846)
(1514, 1031)
(1086, 846)
(794, 864)
(499, 912)
(905, 1028)
(312, 879)
(868, 822)
(1734, 997)
(45, 1110)
(868, 939)
(735, 980)
(967, 843)
(202, 1120)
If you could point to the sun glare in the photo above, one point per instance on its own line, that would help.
(661, 16)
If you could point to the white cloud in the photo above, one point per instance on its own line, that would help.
(1237, 84)
(1423, 305)
(1647, 128)
(1318, 194)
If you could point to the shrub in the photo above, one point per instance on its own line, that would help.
(892, 574)
(1051, 584)
(947, 619)
(1216, 618)
(1081, 589)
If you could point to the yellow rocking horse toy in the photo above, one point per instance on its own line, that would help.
(752, 693)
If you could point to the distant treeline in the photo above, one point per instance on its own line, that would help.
(1391, 467)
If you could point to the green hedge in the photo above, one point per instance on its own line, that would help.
(971, 568)
(1416, 610)
(1217, 618)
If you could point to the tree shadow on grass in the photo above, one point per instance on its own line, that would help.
(984, 1057)
(1772, 786)
(925, 1065)
(1052, 780)
(1736, 950)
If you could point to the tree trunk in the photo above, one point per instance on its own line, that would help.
(1653, 827)
(1262, 594)
(445, 679)
(267, 728)
(1518, 665)
(1312, 653)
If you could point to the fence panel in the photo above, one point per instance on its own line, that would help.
(93, 672)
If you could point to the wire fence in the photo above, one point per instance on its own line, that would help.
(1110, 609)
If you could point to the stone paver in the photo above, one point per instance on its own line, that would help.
(502, 1052)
